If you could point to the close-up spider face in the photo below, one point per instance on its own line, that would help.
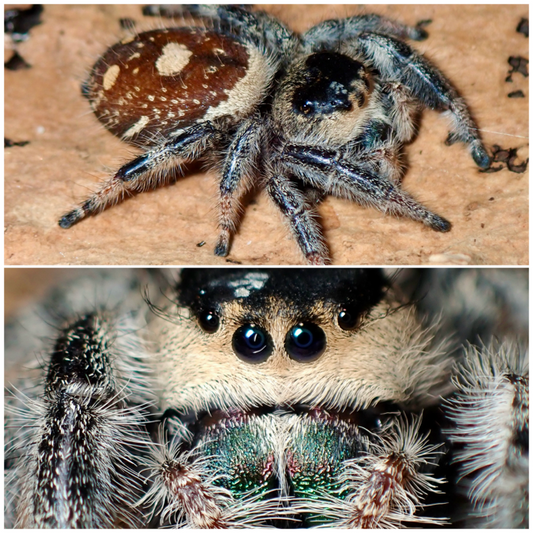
(300, 116)
(230, 398)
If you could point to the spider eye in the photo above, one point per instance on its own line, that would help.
(252, 343)
(209, 321)
(305, 342)
(348, 318)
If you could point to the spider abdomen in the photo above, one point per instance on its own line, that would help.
(159, 82)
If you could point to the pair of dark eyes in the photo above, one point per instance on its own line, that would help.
(304, 342)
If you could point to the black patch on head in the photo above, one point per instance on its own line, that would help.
(327, 84)
(207, 289)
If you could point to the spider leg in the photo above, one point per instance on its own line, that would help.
(141, 174)
(294, 205)
(81, 450)
(378, 148)
(256, 27)
(239, 167)
(325, 170)
(402, 109)
(398, 61)
(490, 434)
(330, 34)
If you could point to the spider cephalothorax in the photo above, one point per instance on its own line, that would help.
(301, 116)
(225, 398)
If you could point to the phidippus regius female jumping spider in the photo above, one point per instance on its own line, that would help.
(230, 398)
(301, 116)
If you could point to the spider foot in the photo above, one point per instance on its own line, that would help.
(419, 33)
(438, 223)
(477, 150)
(223, 244)
(480, 156)
(73, 217)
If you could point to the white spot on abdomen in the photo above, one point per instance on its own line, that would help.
(110, 77)
(248, 91)
(173, 60)
(137, 127)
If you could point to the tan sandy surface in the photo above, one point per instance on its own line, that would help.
(25, 286)
(69, 153)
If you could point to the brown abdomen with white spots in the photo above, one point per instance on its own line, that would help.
(147, 87)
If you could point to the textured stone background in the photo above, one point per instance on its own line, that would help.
(69, 153)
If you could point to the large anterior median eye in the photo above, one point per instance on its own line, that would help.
(252, 343)
(305, 342)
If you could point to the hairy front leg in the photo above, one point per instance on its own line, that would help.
(146, 171)
(76, 469)
(325, 170)
(399, 62)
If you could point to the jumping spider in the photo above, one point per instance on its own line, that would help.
(222, 398)
(301, 116)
